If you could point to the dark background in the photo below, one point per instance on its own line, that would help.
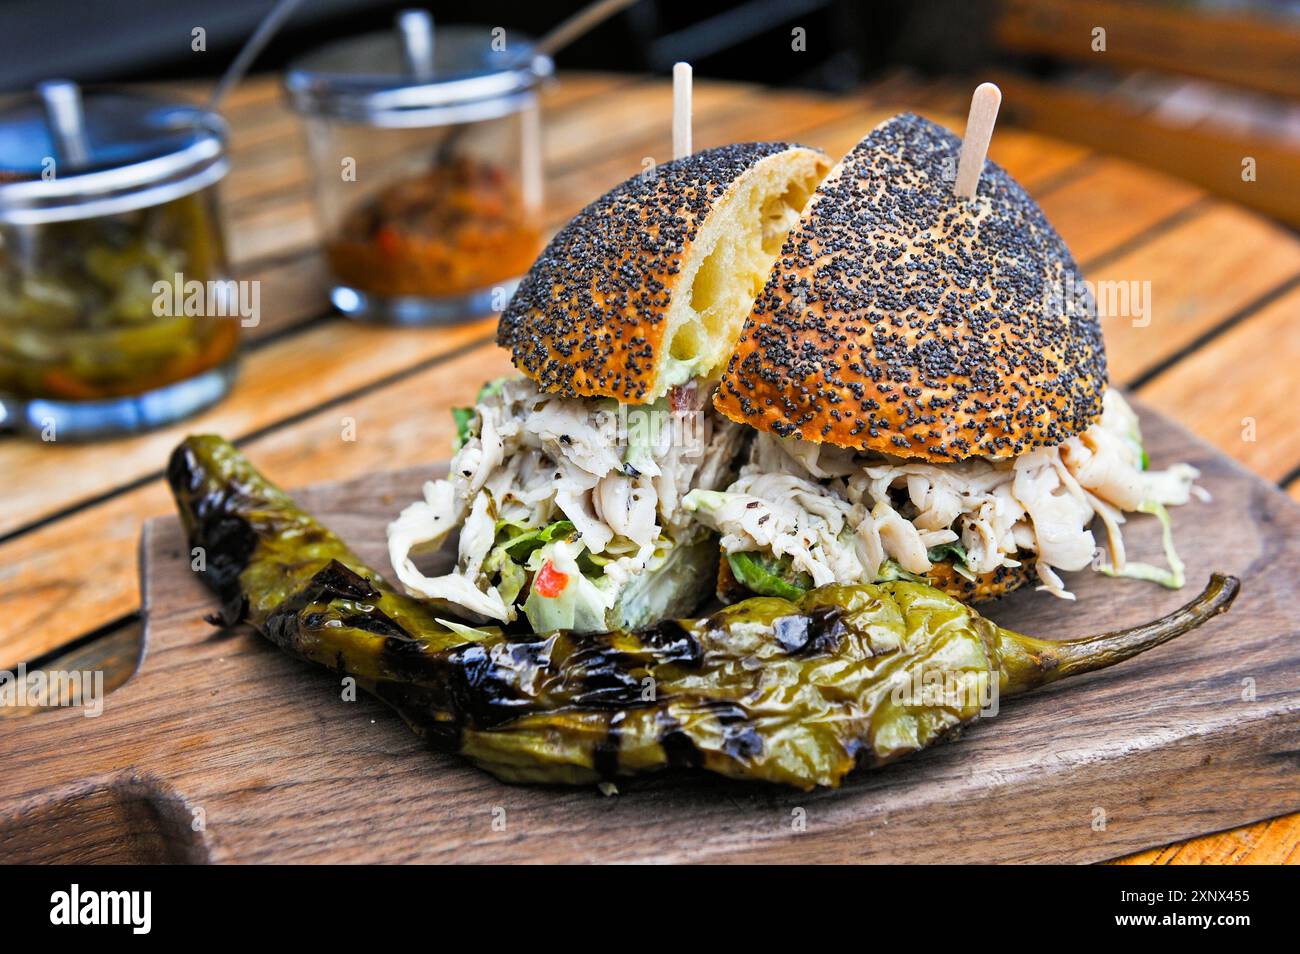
(848, 41)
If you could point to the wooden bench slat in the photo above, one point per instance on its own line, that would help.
(1201, 273)
(286, 378)
(1237, 47)
(1204, 157)
(1240, 394)
(1112, 203)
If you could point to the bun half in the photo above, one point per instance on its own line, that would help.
(649, 285)
(902, 319)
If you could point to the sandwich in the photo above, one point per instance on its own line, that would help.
(926, 379)
(567, 483)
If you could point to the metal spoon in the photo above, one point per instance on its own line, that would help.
(256, 43)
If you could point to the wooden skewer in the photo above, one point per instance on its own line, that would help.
(975, 145)
(531, 134)
(681, 110)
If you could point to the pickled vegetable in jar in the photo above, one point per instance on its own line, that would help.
(79, 303)
(108, 221)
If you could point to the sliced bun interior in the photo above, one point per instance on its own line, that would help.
(649, 285)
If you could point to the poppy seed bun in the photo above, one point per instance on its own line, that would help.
(901, 319)
(986, 586)
(665, 265)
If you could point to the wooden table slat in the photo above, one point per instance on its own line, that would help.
(1242, 392)
(283, 380)
(70, 572)
(1201, 274)
(1114, 203)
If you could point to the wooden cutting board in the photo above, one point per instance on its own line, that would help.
(221, 748)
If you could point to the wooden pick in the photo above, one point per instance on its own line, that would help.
(975, 145)
(681, 110)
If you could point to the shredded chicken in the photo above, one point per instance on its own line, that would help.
(619, 473)
(839, 515)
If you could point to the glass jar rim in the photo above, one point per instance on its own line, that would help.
(353, 80)
(136, 184)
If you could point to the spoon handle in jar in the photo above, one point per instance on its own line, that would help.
(256, 43)
(588, 18)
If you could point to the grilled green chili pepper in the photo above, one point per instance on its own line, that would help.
(791, 692)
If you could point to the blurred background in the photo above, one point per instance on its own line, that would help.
(1188, 86)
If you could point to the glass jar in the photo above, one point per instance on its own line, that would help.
(426, 158)
(116, 314)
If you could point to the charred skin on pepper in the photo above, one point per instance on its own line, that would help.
(796, 693)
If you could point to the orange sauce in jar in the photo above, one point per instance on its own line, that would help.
(460, 227)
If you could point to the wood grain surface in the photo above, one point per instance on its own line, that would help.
(1217, 352)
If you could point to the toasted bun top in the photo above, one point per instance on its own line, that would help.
(650, 284)
(901, 319)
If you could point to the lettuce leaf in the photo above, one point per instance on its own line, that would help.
(766, 575)
(891, 570)
(521, 547)
(580, 605)
(490, 388)
(472, 633)
(674, 583)
(1172, 578)
(505, 574)
(948, 551)
(463, 417)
